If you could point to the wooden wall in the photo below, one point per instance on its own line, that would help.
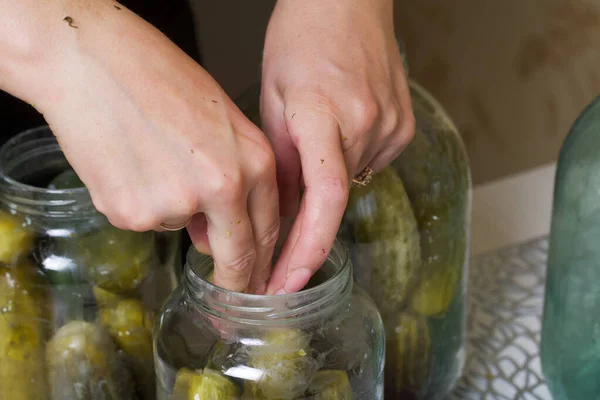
(513, 74)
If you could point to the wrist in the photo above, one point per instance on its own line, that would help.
(362, 5)
(337, 12)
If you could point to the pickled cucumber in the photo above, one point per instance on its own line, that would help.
(206, 384)
(83, 364)
(66, 180)
(23, 331)
(210, 277)
(130, 325)
(16, 238)
(286, 364)
(387, 240)
(408, 358)
(114, 259)
(434, 167)
(330, 385)
(435, 171)
(436, 290)
(443, 265)
(183, 382)
(104, 297)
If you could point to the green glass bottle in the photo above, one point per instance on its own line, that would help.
(570, 346)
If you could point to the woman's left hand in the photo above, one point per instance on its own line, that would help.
(334, 101)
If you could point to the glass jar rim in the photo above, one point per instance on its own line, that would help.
(264, 308)
(34, 199)
(13, 182)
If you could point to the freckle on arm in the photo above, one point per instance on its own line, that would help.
(70, 21)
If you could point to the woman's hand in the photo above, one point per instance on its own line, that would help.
(152, 135)
(334, 101)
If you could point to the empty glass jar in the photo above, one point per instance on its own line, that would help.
(77, 296)
(570, 345)
(325, 342)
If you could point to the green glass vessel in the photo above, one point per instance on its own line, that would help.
(570, 347)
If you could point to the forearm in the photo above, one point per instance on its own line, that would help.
(338, 17)
(334, 9)
(41, 40)
(30, 40)
(65, 51)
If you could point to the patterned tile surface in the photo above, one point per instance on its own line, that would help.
(506, 294)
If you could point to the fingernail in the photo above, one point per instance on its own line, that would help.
(280, 291)
(297, 279)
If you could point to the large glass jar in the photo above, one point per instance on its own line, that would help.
(324, 342)
(408, 232)
(77, 296)
(570, 346)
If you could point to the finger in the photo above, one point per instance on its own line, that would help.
(354, 153)
(263, 208)
(287, 160)
(395, 145)
(197, 229)
(231, 243)
(384, 158)
(324, 200)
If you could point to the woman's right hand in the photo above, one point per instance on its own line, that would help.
(150, 133)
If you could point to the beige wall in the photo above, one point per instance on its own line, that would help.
(231, 35)
(512, 73)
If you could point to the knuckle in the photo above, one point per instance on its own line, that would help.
(142, 225)
(226, 186)
(406, 130)
(131, 215)
(100, 205)
(265, 162)
(317, 106)
(241, 265)
(269, 237)
(117, 223)
(140, 221)
(390, 121)
(366, 112)
(185, 201)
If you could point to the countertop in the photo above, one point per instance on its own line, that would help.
(512, 210)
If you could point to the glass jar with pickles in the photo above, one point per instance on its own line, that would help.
(408, 233)
(325, 342)
(78, 297)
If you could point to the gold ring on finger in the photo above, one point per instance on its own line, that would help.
(175, 227)
(364, 178)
